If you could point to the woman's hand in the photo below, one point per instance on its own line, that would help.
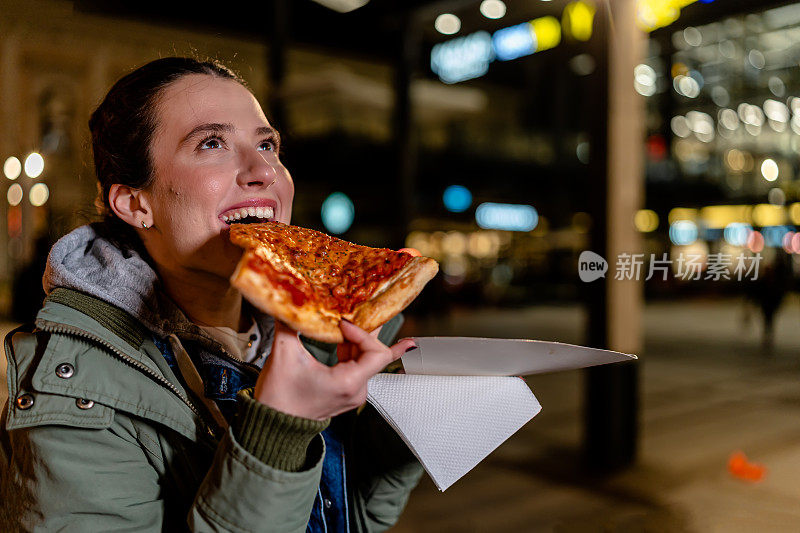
(293, 382)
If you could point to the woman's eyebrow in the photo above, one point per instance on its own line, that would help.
(216, 127)
(269, 131)
(211, 127)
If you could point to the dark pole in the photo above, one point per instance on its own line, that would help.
(277, 62)
(404, 139)
(610, 404)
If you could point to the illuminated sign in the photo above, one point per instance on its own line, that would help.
(507, 217)
(654, 14)
(548, 32)
(513, 42)
(578, 19)
(468, 57)
(463, 58)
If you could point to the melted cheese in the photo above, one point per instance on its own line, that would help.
(342, 274)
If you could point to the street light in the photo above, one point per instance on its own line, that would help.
(12, 168)
(343, 6)
(493, 9)
(447, 24)
(34, 165)
(39, 194)
(14, 194)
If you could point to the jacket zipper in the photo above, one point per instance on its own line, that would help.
(72, 330)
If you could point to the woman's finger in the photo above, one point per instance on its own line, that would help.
(374, 355)
(401, 347)
(359, 337)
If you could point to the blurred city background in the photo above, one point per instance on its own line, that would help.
(504, 138)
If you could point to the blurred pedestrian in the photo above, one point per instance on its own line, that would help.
(27, 294)
(769, 291)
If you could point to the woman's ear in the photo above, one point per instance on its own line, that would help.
(130, 205)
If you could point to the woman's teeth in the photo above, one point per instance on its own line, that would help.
(244, 212)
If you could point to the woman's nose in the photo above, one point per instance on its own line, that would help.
(257, 170)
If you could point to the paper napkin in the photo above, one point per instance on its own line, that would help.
(451, 423)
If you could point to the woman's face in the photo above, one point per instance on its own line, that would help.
(215, 158)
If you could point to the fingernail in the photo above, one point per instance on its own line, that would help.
(411, 348)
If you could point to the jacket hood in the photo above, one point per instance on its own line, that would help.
(87, 261)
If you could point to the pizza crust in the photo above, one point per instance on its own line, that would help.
(401, 290)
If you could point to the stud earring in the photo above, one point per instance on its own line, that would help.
(144, 225)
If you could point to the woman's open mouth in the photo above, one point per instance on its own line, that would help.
(248, 215)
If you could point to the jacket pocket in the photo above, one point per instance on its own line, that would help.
(30, 406)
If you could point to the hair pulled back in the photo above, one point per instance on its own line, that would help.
(123, 125)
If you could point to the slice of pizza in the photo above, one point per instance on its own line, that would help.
(310, 280)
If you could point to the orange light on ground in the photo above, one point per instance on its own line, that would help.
(411, 251)
(741, 468)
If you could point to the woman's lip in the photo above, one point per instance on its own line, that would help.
(253, 202)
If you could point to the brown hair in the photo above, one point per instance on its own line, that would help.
(123, 124)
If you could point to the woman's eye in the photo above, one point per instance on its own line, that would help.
(210, 144)
(268, 146)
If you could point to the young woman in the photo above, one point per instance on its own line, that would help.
(149, 395)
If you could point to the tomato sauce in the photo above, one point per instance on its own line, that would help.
(337, 274)
(287, 282)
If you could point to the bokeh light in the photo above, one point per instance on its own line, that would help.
(683, 232)
(39, 194)
(34, 165)
(776, 196)
(769, 169)
(338, 212)
(457, 198)
(769, 215)
(737, 233)
(447, 24)
(508, 217)
(646, 220)
(644, 80)
(14, 194)
(774, 235)
(12, 168)
(493, 9)
(755, 242)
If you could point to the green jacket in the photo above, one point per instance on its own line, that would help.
(99, 435)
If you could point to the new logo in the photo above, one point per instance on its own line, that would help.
(591, 266)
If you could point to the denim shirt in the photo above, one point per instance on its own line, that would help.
(222, 381)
